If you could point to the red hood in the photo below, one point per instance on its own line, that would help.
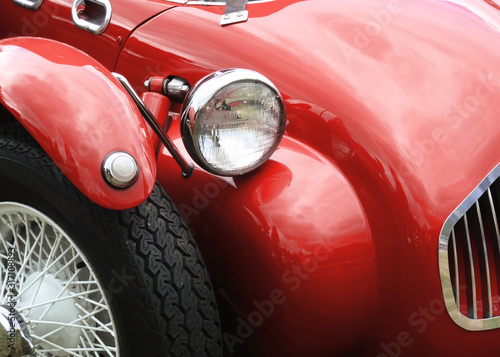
(399, 91)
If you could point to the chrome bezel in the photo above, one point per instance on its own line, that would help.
(109, 175)
(444, 271)
(202, 93)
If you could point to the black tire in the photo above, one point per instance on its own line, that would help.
(148, 271)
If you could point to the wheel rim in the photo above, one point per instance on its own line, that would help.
(54, 287)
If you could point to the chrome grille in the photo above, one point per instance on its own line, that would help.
(469, 258)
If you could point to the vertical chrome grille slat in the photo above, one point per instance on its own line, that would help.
(496, 239)
(486, 263)
(472, 277)
(495, 221)
(457, 275)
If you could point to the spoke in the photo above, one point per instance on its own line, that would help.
(67, 324)
(4, 287)
(11, 225)
(61, 292)
(28, 224)
(15, 238)
(6, 278)
(84, 345)
(42, 273)
(52, 252)
(24, 221)
(84, 282)
(96, 338)
(27, 252)
(93, 302)
(41, 245)
(25, 261)
(97, 321)
(80, 319)
(4, 283)
(80, 349)
(71, 261)
(57, 347)
(57, 299)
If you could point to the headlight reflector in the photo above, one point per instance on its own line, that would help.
(232, 121)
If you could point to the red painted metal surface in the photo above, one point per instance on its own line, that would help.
(78, 113)
(331, 247)
(159, 106)
(53, 20)
(401, 97)
(280, 243)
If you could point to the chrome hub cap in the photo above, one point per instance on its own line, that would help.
(14, 334)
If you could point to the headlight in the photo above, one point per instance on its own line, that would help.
(232, 121)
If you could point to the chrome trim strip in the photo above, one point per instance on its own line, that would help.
(457, 275)
(29, 4)
(449, 298)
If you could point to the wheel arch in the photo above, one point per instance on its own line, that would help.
(78, 113)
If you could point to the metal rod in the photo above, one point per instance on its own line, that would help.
(187, 168)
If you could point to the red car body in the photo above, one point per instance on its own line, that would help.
(331, 247)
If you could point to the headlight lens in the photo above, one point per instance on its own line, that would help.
(232, 121)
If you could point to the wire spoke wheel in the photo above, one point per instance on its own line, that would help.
(56, 291)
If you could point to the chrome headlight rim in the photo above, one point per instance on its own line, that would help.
(198, 98)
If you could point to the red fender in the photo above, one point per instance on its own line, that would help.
(79, 113)
(294, 230)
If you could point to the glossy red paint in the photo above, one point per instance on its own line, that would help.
(401, 97)
(53, 20)
(159, 106)
(392, 121)
(78, 113)
(285, 239)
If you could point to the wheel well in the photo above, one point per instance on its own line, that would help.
(5, 116)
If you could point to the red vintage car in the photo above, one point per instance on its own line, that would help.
(336, 163)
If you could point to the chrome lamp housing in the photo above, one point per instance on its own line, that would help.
(232, 121)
